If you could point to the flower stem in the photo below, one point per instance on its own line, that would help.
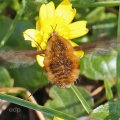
(118, 56)
(108, 90)
(81, 99)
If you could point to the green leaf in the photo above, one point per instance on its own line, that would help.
(4, 25)
(66, 101)
(98, 67)
(107, 26)
(16, 40)
(14, 23)
(109, 111)
(94, 13)
(5, 79)
(30, 77)
(36, 107)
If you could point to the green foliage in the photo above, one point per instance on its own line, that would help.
(30, 77)
(108, 111)
(108, 90)
(98, 67)
(5, 79)
(118, 57)
(33, 106)
(65, 101)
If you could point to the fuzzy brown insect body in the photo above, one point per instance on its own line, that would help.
(60, 62)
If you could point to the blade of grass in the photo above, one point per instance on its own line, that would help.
(30, 105)
(14, 23)
(97, 4)
(108, 90)
(81, 99)
(118, 57)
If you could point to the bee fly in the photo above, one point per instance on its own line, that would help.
(60, 62)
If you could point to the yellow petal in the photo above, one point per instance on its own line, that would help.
(46, 11)
(65, 11)
(40, 60)
(63, 31)
(47, 26)
(77, 29)
(34, 36)
(79, 53)
(46, 17)
(43, 45)
(73, 43)
(57, 118)
(38, 27)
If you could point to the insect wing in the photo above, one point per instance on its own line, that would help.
(100, 60)
(10, 58)
(18, 58)
(102, 48)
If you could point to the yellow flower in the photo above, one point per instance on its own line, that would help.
(57, 118)
(59, 20)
